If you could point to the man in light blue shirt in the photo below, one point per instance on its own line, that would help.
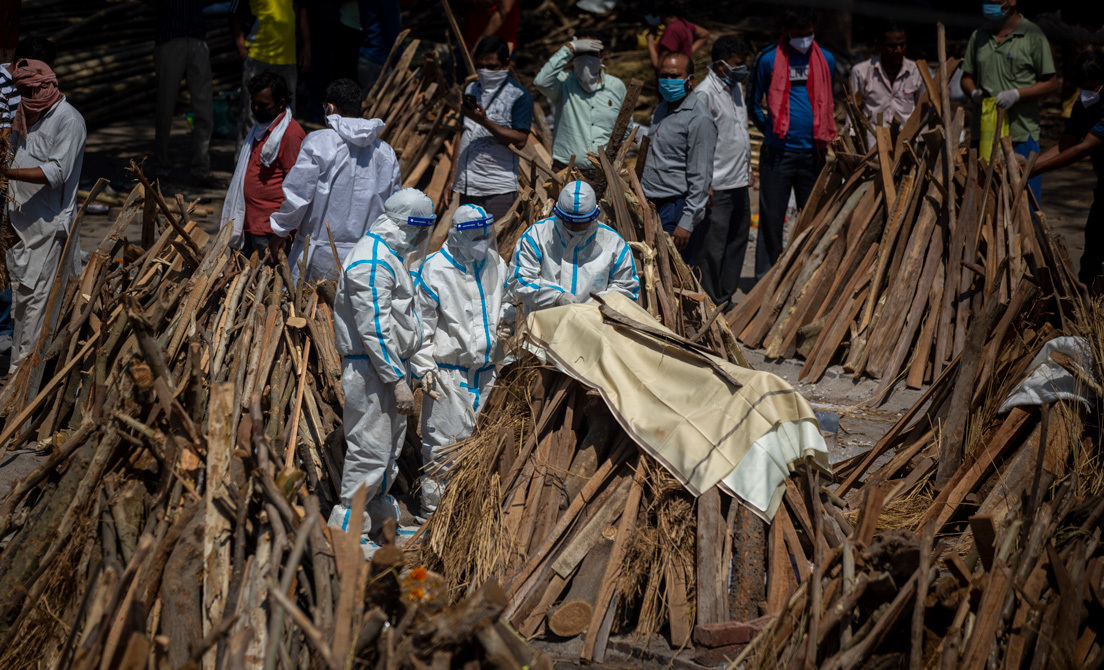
(586, 100)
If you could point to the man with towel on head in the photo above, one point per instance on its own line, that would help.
(48, 150)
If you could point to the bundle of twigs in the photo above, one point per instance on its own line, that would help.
(899, 249)
(191, 400)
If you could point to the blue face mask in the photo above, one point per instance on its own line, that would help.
(992, 11)
(736, 75)
(672, 90)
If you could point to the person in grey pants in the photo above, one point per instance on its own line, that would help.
(181, 51)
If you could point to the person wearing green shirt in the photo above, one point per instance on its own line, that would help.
(586, 101)
(1009, 58)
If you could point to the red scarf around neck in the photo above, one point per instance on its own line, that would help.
(818, 85)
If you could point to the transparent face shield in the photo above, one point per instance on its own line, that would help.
(420, 232)
(473, 241)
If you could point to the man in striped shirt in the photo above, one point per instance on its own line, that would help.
(33, 48)
(9, 100)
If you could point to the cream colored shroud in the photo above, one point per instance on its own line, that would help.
(680, 411)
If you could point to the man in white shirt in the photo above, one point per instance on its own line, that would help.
(48, 151)
(728, 217)
(889, 84)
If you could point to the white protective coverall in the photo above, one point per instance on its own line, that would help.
(42, 215)
(555, 265)
(377, 330)
(342, 176)
(460, 302)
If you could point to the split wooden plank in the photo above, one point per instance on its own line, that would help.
(594, 645)
(712, 602)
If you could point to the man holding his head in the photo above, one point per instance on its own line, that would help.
(498, 113)
(794, 79)
(679, 166)
(889, 83)
(586, 100)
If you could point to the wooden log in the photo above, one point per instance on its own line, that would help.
(952, 446)
(712, 602)
(597, 636)
(572, 616)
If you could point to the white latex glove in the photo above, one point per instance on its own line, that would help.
(1006, 99)
(404, 397)
(585, 45)
(566, 298)
(979, 93)
(429, 381)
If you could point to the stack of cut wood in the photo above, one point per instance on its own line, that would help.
(105, 54)
(190, 404)
(898, 250)
(1015, 497)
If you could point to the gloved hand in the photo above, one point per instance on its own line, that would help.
(585, 46)
(566, 298)
(979, 93)
(1006, 99)
(404, 397)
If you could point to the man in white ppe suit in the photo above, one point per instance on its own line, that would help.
(377, 331)
(460, 302)
(563, 259)
(341, 177)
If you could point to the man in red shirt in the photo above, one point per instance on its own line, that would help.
(679, 35)
(268, 153)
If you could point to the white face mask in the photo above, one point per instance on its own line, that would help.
(588, 69)
(801, 44)
(491, 79)
(1089, 98)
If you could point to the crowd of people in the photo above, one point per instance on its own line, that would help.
(407, 316)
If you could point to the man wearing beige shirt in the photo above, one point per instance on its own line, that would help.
(889, 84)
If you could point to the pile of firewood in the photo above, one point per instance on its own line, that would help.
(898, 249)
(190, 399)
(1015, 498)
